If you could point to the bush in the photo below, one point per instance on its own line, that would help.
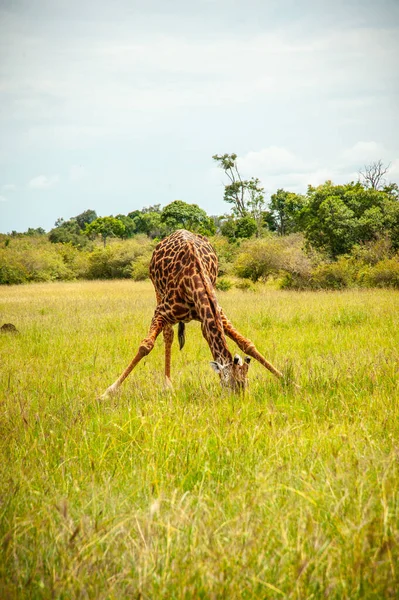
(33, 258)
(373, 252)
(13, 273)
(223, 284)
(383, 274)
(257, 259)
(245, 227)
(245, 285)
(140, 267)
(333, 276)
(226, 253)
(291, 281)
(117, 260)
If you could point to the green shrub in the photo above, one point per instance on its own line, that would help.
(257, 259)
(245, 227)
(223, 284)
(13, 273)
(333, 276)
(117, 260)
(245, 285)
(383, 274)
(373, 252)
(295, 281)
(75, 260)
(33, 258)
(226, 253)
(140, 267)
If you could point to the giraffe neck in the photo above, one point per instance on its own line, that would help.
(217, 344)
(211, 323)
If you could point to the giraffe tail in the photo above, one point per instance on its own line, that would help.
(181, 334)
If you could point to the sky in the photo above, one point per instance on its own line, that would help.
(114, 106)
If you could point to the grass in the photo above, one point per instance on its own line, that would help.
(196, 493)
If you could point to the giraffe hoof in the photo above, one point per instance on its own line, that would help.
(168, 384)
(110, 392)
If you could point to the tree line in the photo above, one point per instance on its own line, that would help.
(329, 224)
(332, 218)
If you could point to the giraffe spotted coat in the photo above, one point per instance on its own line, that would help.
(183, 269)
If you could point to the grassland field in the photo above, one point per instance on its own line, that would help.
(196, 493)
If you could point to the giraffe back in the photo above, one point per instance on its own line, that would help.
(176, 259)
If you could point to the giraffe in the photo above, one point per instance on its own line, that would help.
(183, 270)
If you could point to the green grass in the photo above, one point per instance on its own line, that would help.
(196, 493)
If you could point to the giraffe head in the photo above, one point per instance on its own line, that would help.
(233, 375)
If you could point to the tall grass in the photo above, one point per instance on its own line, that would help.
(195, 493)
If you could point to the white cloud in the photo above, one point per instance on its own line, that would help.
(42, 182)
(393, 173)
(161, 72)
(279, 167)
(9, 187)
(363, 152)
(3, 199)
(274, 160)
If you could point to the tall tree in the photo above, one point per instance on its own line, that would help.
(336, 217)
(106, 227)
(234, 192)
(247, 196)
(286, 208)
(130, 227)
(372, 175)
(67, 232)
(86, 217)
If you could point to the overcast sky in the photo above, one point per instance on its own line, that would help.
(116, 105)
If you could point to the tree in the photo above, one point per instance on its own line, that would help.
(246, 227)
(373, 175)
(246, 196)
(336, 217)
(130, 227)
(180, 215)
(148, 221)
(392, 189)
(228, 228)
(86, 217)
(338, 230)
(256, 202)
(67, 232)
(106, 227)
(72, 231)
(234, 192)
(235, 229)
(32, 231)
(154, 208)
(268, 220)
(286, 208)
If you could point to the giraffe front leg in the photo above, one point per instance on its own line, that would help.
(145, 348)
(247, 346)
(168, 335)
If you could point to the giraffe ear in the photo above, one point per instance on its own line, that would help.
(247, 359)
(237, 359)
(216, 366)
